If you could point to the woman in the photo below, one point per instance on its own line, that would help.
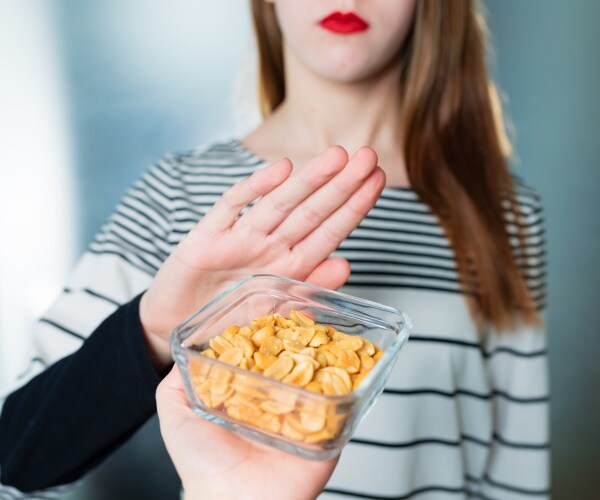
(453, 240)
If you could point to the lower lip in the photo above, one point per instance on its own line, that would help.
(343, 27)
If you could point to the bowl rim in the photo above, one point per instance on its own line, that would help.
(180, 351)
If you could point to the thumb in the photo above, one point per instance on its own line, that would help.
(331, 273)
(171, 400)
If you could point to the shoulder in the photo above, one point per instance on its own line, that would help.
(531, 258)
(529, 212)
(219, 162)
(528, 200)
(223, 156)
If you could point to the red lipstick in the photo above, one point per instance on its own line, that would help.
(344, 23)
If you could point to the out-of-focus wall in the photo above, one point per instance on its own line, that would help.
(147, 77)
(548, 64)
(36, 177)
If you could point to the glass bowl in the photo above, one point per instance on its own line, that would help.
(288, 417)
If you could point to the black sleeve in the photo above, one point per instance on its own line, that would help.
(69, 418)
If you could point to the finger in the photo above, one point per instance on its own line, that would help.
(273, 208)
(227, 209)
(171, 402)
(320, 205)
(170, 393)
(327, 237)
(331, 273)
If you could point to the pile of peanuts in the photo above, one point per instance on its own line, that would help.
(295, 351)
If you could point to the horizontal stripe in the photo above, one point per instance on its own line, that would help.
(406, 259)
(211, 180)
(389, 273)
(469, 493)
(150, 246)
(369, 247)
(448, 442)
(436, 392)
(523, 446)
(445, 489)
(445, 340)
(101, 296)
(157, 195)
(409, 270)
(370, 282)
(136, 210)
(514, 352)
(474, 345)
(405, 227)
(420, 442)
(393, 265)
(411, 494)
(393, 237)
(520, 399)
(164, 184)
(116, 241)
(464, 392)
(62, 328)
(384, 204)
(516, 489)
(126, 252)
(408, 444)
(145, 269)
(165, 177)
(400, 217)
(535, 231)
(141, 230)
(223, 168)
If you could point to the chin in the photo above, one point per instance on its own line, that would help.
(343, 73)
(346, 65)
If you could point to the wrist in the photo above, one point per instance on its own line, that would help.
(159, 349)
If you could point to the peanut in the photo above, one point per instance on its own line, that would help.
(295, 351)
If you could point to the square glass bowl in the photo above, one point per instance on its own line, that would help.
(287, 417)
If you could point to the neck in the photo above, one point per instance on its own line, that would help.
(318, 113)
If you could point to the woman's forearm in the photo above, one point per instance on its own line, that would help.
(65, 421)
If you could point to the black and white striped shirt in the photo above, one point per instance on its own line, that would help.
(465, 412)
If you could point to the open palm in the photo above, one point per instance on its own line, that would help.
(292, 224)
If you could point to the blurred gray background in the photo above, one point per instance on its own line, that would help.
(144, 77)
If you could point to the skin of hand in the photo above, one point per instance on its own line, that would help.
(214, 463)
(297, 220)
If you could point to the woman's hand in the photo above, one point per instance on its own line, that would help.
(215, 463)
(297, 220)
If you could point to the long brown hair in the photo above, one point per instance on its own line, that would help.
(455, 147)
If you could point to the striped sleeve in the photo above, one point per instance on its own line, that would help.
(518, 466)
(531, 258)
(138, 230)
(70, 417)
(118, 265)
